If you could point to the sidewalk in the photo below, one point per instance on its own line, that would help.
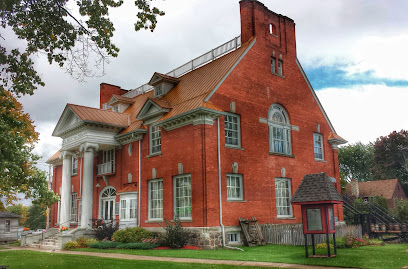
(180, 260)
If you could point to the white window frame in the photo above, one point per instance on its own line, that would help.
(273, 65)
(108, 156)
(234, 237)
(318, 138)
(154, 130)
(128, 206)
(280, 67)
(227, 122)
(283, 126)
(230, 186)
(155, 194)
(158, 90)
(74, 170)
(187, 197)
(280, 197)
(7, 228)
(115, 108)
(73, 208)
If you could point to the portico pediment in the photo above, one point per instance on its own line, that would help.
(67, 122)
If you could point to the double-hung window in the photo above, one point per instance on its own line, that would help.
(234, 187)
(123, 209)
(156, 199)
(279, 130)
(74, 165)
(318, 146)
(155, 139)
(280, 67)
(232, 130)
(73, 207)
(283, 195)
(182, 196)
(107, 166)
(273, 65)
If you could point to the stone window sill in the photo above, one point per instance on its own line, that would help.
(233, 147)
(183, 220)
(286, 218)
(236, 201)
(276, 74)
(154, 221)
(154, 154)
(281, 154)
(321, 161)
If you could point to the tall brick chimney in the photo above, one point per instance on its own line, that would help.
(106, 91)
(271, 29)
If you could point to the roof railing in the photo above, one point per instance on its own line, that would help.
(204, 59)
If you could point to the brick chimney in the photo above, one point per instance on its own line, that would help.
(106, 91)
(272, 29)
(354, 188)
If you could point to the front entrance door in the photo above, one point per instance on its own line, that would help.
(107, 204)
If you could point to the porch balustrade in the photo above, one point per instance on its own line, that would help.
(106, 168)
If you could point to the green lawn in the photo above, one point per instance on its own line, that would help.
(34, 259)
(381, 257)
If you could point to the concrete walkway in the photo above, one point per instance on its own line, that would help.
(170, 259)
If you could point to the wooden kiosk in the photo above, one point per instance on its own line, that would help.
(316, 195)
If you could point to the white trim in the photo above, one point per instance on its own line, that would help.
(229, 71)
(322, 146)
(314, 95)
(241, 188)
(231, 130)
(288, 201)
(102, 199)
(175, 178)
(149, 199)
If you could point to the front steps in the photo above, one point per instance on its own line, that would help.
(47, 243)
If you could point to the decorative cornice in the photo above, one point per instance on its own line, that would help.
(336, 142)
(196, 116)
(129, 137)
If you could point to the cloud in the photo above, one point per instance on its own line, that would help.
(364, 113)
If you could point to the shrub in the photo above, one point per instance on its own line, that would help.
(175, 236)
(104, 231)
(84, 242)
(71, 245)
(323, 246)
(132, 235)
(104, 244)
(137, 246)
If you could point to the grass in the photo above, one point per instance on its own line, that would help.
(381, 257)
(34, 259)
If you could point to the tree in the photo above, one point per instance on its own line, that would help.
(391, 156)
(356, 161)
(36, 217)
(17, 162)
(21, 210)
(48, 27)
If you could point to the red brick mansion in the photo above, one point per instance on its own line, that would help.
(229, 134)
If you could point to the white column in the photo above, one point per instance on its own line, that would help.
(65, 213)
(87, 183)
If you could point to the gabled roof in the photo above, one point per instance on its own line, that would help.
(151, 108)
(54, 157)
(120, 99)
(316, 188)
(384, 188)
(91, 114)
(158, 77)
(6, 214)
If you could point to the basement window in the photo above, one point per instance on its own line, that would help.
(233, 237)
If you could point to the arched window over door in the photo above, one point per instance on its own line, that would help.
(279, 130)
(107, 203)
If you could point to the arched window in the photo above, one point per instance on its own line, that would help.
(279, 130)
(107, 203)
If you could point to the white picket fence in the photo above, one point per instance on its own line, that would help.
(292, 234)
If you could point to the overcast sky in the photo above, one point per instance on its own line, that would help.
(353, 51)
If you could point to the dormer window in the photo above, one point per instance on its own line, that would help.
(158, 90)
(115, 108)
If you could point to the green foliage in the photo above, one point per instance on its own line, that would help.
(355, 161)
(2, 208)
(84, 242)
(71, 245)
(381, 201)
(104, 231)
(36, 217)
(132, 235)
(391, 156)
(323, 246)
(104, 244)
(21, 210)
(137, 246)
(401, 209)
(175, 236)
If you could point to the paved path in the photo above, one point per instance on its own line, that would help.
(170, 259)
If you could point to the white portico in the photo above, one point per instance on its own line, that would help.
(84, 131)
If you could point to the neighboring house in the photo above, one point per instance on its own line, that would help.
(8, 226)
(390, 189)
(242, 116)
